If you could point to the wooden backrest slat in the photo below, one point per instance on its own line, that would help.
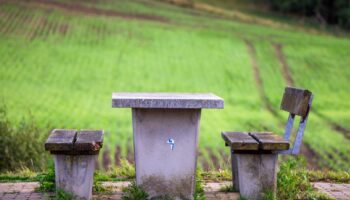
(270, 142)
(240, 141)
(296, 101)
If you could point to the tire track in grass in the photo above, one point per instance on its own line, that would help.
(117, 155)
(94, 11)
(130, 155)
(106, 161)
(213, 158)
(7, 21)
(305, 149)
(258, 79)
(12, 22)
(289, 80)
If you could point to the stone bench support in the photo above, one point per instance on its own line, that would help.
(254, 162)
(75, 154)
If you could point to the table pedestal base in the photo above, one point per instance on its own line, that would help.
(165, 143)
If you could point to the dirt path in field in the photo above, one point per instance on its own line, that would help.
(305, 149)
(284, 65)
(257, 76)
(80, 8)
(289, 81)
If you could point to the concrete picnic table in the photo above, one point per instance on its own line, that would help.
(165, 128)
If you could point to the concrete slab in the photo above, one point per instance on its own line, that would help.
(166, 100)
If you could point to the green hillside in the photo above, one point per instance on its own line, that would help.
(61, 61)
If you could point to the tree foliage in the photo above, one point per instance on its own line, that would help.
(334, 12)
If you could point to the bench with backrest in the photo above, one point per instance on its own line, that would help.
(75, 153)
(255, 154)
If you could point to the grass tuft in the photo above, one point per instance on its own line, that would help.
(293, 182)
(228, 188)
(134, 192)
(329, 176)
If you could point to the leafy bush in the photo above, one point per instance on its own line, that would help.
(336, 12)
(22, 145)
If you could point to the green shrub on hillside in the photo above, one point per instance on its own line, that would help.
(22, 145)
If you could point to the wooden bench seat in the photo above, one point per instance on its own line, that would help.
(254, 141)
(72, 142)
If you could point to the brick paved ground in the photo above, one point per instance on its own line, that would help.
(24, 191)
(337, 191)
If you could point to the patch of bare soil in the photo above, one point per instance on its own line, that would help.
(117, 155)
(130, 156)
(204, 163)
(106, 161)
(80, 8)
(213, 158)
(311, 156)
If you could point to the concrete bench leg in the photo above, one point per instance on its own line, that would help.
(234, 168)
(74, 174)
(257, 173)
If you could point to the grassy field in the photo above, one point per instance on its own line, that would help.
(61, 61)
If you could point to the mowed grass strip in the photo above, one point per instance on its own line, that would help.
(63, 65)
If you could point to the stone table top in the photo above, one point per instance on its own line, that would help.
(166, 100)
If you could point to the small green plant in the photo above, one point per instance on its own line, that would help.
(126, 170)
(62, 195)
(228, 188)
(199, 190)
(162, 197)
(293, 182)
(219, 175)
(269, 195)
(134, 192)
(47, 180)
(242, 198)
(99, 188)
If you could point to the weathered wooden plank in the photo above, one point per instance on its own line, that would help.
(270, 142)
(60, 140)
(296, 101)
(89, 140)
(240, 141)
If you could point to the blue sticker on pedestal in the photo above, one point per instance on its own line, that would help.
(171, 142)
